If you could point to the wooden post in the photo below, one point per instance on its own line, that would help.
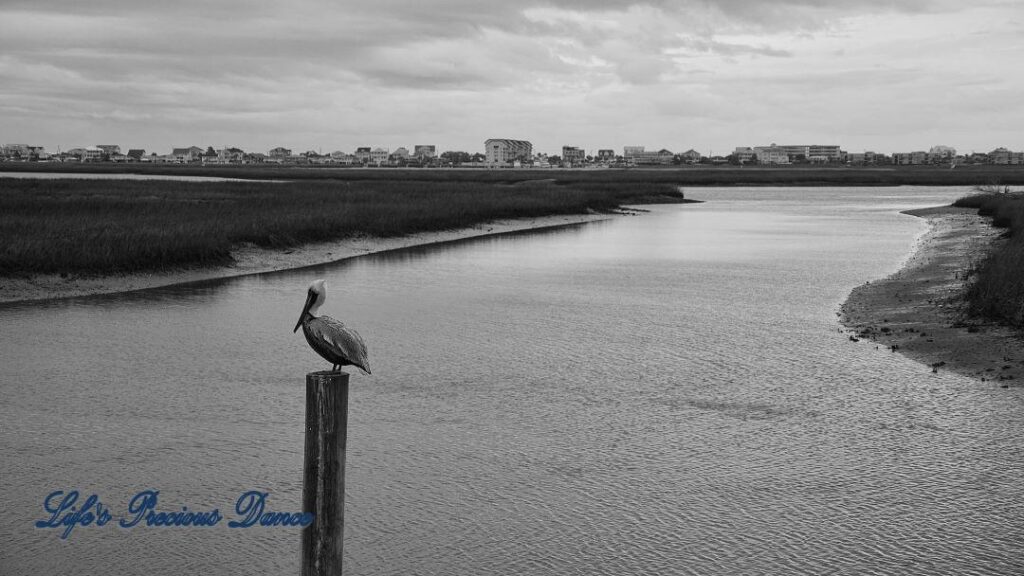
(323, 485)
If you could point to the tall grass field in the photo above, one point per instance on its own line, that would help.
(688, 175)
(112, 226)
(997, 291)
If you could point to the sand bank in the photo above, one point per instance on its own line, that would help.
(253, 259)
(919, 309)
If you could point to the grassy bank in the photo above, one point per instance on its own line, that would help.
(696, 175)
(997, 291)
(105, 226)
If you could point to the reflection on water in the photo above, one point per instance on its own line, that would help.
(667, 393)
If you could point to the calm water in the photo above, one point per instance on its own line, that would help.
(660, 394)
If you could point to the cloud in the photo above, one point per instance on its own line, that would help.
(464, 70)
(690, 46)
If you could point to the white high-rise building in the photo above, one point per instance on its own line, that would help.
(505, 152)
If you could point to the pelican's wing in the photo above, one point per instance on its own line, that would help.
(345, 341)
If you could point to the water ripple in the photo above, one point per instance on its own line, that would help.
(660, 395)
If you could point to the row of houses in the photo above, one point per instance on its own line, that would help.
(937, 155)
(363, 155)
(789, 154)
(512, 153)
(423, 153)
(640, 156)
(947, 155)
(505, 152)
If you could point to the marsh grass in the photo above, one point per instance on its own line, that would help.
(697, 175)
(105, 226)
(997, 291)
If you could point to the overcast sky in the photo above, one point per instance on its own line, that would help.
(883, 75)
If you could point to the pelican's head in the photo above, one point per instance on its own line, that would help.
(314, 298)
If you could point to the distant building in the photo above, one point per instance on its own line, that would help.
(314, 157)
(16, 150)
(860, 158)
(400, 153)
(339, 157)
(1003, 156)
(379, 156)
(363, 154)
(279, 153)
(136, 154)
(23, 152)
(941, 154)
(629, 152)
(743, 154)
(978, 158)
(999, 156)
(504, 152)
(573, 156)
(691, 156)
(606, 155)
(109, 149)
(210, 157)
(231, 155)
(93, 154)
(189, 154)
(910, 158)
(424, 151)
(662, 156)
(812, 152)
(771, 154)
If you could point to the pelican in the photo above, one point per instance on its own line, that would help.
(330, 338)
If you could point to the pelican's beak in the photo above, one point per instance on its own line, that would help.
(310, 298)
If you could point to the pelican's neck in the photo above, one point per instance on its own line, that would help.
(316, 304)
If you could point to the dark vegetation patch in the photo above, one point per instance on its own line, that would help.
(697, 175)
(105, 226)
(997, 288)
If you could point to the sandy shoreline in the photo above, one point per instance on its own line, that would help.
(919, 309)
(253, 260)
